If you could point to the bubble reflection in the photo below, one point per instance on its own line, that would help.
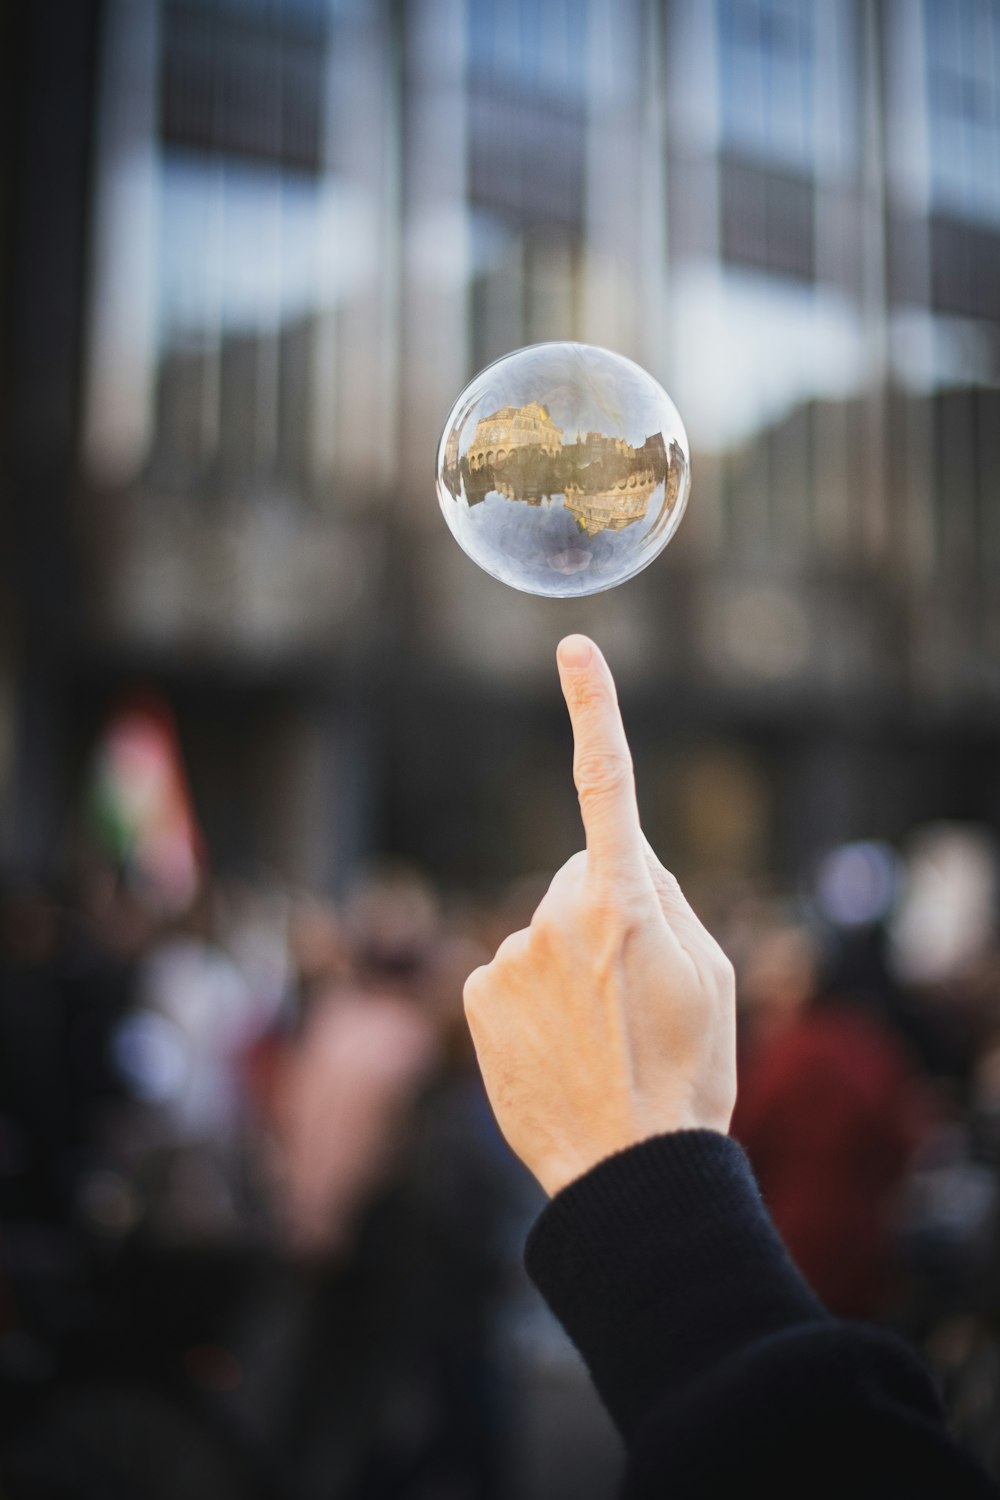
(563, 469)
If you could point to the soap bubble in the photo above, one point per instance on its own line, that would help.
(563, 469)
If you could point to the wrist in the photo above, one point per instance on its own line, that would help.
(660, 1261)
(560, 1169)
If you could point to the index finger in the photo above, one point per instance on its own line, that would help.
(602, 761)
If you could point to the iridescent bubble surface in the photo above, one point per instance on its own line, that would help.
(563, 469)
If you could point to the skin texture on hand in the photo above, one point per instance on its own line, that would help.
(612, 1017)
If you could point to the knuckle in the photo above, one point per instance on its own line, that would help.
(601, 771)
(721, 972)
(588, 694)
(612, 904)
(565, 882)
(542, 925)
(669, 885)
(508, 950)
(549, 934)
(506, 961)
(474, 989)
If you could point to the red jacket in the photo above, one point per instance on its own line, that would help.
(829, 1112)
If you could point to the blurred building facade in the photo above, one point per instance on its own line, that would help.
(254, 249)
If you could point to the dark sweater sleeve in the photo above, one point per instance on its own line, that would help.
(716, 1361)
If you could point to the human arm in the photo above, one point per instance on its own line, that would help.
(722, 1371)
(606, 1033)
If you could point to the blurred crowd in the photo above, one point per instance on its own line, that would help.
(256, 1211)
(261, 1237)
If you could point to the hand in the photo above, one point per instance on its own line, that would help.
(612, 1017)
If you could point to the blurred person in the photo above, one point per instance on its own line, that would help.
(933, 1020)
(951, 1231)
(315, 957)
(69, 1427)
(253, 926)
(829, 1111)
(952, 1203)
(393, 920)
(389, 1179)
(319, 951)
(341, 1100)
(181, 1052)
(778, 976)
(363, 1050)
(606, 1036)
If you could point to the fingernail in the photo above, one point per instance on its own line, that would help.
(575, 651)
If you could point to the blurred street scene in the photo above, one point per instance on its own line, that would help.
(279, 765)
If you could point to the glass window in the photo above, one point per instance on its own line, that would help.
(753, 347)
(247, 80)
(525, 286)
(963, 106)
(539, 46)
(768, 78)
(248, 269)
(240, 245)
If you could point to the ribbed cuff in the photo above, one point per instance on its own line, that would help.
(660, 1262)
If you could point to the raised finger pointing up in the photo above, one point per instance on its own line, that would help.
(602, 762)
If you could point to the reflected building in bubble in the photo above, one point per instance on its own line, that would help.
(520, 452)
(513, 427)
(612, 507)
(613, 482)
